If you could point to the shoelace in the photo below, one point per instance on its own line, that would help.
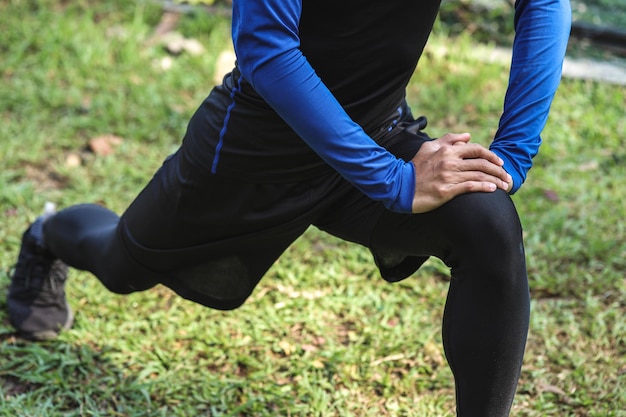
(36, 266)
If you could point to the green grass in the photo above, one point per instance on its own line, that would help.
(602, 13)
(323, 335)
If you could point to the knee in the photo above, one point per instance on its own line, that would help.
(486, 225)
(487, 246)
(486, 215)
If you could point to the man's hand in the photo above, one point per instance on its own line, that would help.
(449, 166)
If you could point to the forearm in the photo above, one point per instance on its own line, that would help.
(328, 130)
(541, 35)
(270, 59)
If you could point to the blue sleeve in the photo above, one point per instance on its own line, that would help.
(541, 34)
(265, 37)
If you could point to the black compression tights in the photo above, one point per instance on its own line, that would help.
(486, 316)
(477, 235)
(85, 237)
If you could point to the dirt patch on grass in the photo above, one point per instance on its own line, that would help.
(45, 177)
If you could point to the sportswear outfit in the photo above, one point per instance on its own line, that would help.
(312, 128)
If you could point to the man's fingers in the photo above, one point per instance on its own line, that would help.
(473, 186)
(452, 138)
(446, 192)
(450, 166)
(453, 176)
(482, 181)
(458, 144)
(475, 151)
(486, 170)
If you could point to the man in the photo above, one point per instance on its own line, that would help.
(312, 128)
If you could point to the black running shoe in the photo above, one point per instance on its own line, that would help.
(36, 301)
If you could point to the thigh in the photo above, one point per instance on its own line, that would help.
(474, 226)
(214, 237)
(354, 217)
(183, 207)
(478, 228)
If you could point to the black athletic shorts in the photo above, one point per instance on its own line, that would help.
(211, 238)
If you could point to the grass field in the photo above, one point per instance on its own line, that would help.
(322, 335)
